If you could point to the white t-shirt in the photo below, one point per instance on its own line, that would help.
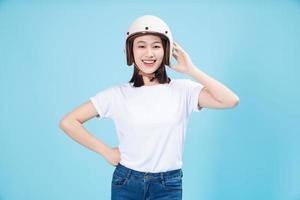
(150, 121)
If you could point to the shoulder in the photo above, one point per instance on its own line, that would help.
(182, 82)
(119, 86)
(187, 84)
(112, 90)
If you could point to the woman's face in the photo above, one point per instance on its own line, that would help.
(148, 52)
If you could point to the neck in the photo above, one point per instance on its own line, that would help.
(148, 82)
(148, 77)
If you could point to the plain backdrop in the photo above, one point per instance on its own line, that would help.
(55, 55)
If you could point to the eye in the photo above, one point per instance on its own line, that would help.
(156, 46)
(141, 46)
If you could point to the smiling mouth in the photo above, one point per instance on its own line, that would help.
(149, 62)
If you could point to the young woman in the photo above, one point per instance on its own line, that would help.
(150, 113)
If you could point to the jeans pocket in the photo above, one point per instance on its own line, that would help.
(118, 179)
(173, 183)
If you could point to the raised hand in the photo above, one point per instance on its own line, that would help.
(184, 64)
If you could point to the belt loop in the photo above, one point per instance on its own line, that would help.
(162, 177)
(128, 173)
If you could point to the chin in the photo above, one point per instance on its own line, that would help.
(149, 71)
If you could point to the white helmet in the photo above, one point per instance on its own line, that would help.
(153, 25)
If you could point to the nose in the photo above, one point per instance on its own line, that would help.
(149, 52)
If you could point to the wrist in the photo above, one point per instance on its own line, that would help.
(192, 70)
(105, 151)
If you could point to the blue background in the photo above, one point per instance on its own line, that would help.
(54, 55)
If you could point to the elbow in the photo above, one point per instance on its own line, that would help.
(233, 103)
(62, 124)
(65, 123)
(68, 122)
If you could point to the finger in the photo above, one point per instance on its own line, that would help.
(177, 46)
(175, 55)
(176, 49)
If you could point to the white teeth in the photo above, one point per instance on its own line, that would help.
(148, 61)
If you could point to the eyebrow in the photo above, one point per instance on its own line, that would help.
(152, 42)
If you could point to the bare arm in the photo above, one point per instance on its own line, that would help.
(72, 125)
(214, 94)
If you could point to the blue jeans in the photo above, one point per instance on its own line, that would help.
(128, 184)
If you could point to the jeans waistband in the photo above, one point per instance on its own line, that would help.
(168, 174)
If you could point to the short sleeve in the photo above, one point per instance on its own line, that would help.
(193, 90)
(104, 101)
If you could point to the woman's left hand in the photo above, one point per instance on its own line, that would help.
(184, 64)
